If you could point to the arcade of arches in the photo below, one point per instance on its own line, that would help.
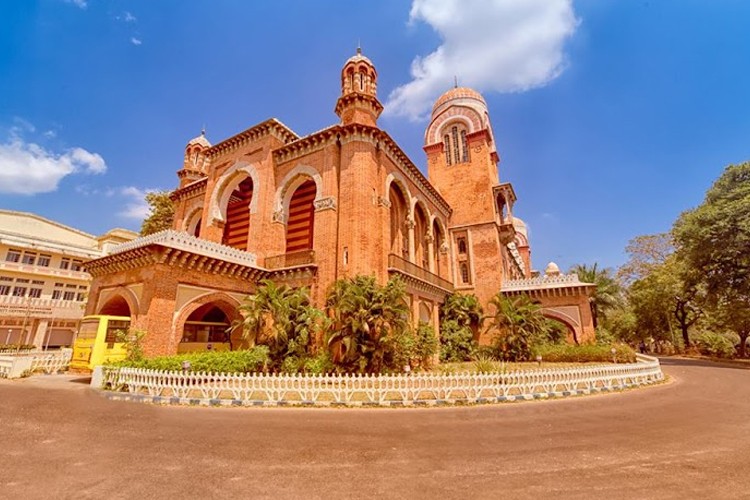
(306, 210)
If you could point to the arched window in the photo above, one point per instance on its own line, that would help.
(237, 222)
(301, 221)
(454, 136)
(447, 148)
(197, 230)
(464, 147)
(398, 211)
(462, 246)
(464, 272)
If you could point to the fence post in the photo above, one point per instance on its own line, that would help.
(97, 377)
(20, 365)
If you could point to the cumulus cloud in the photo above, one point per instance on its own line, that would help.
(493, 45)
(128, 17)
(135, 41)
(27, 168)
(136, 208)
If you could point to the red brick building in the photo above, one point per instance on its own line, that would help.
(342, 201)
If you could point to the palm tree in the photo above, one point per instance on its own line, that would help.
(608, 293)
(518, 324)
(463, 309)
(362, 316)
(281, 318)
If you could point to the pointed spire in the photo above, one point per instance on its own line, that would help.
(455, 82)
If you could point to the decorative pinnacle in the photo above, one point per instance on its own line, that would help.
(203, 130)
(455, 82)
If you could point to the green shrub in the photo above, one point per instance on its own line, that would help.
(456, 342)
(425, 344)
(319, 364)
(485, 364)
(715, 344)
(245, 361)
(569, 353)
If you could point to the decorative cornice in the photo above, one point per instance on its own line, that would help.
(420, 285)
(190, 190)
(306, 145)
(358, 98)
(269, 127)
(540, 284)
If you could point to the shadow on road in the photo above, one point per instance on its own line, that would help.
(703, 363)
(81, 380)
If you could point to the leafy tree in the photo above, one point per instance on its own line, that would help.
(713, 241)
(518, 325)
(460, 320)
(646, 252)
(608, 293)
(283, 319)
(364, 318)
(160, 215)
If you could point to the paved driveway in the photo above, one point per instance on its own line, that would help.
(687, 439)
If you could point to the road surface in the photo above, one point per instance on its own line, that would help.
(688, 439)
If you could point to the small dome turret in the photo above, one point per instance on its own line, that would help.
(359, 92)
(552, 270)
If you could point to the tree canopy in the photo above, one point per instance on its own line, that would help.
(161, 213)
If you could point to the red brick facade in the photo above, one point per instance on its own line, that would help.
(373, 212)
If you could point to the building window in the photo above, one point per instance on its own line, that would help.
(70, 286)
(464, 273)
(447, 148)
(454, 136)
(462, 246)
(4, 289)
(13, 256)
(43, 260)
(19, 291)
(69, 295)
(77, 265)
(37, 282)
(56, 294)
(65, 263)
(80, 296)
(464, 147)
(29, 258)
(58, 285)
(35, 293)
(82, 287)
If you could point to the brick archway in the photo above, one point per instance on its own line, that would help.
(122, 294)
(574, 327)
(226, 303)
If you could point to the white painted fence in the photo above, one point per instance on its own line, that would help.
(15, 365)
(384, 390)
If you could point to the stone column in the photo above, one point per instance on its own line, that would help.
(430, 252)
(410, 225)
(40, 334)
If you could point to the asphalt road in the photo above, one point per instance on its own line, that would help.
(689, 439)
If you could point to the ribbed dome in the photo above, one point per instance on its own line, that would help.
(552, 269)
(201, 139)
(358, 57)
(521, 227)
(458, 93)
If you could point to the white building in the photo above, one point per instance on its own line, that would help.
(43, 286)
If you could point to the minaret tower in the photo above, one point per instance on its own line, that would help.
(195, 163)
(359, 85)
(462, 163)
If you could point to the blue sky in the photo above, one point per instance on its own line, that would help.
(611, 117)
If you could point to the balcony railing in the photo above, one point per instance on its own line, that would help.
(44, 270)
(404, 266)
(39, 308)
(291, 259)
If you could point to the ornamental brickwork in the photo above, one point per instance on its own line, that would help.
(308, 210)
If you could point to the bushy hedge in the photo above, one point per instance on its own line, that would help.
(568, 353)
(251, 360)
(715, 344)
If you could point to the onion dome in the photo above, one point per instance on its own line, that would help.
(552, 269)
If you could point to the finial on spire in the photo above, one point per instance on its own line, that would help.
(455, 82)
(203, 130)
(359, 46)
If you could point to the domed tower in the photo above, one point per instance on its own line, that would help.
(462, 164)
(195, 164)
(359, 85)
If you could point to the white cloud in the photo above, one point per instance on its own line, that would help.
(27, 168)
(135, 41)
(128, 17)
(494, 45)
(136, 208)
(79, 3)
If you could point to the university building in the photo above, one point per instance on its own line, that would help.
(268, 203)
(43, 286)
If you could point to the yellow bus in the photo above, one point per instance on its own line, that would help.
(96, 342)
